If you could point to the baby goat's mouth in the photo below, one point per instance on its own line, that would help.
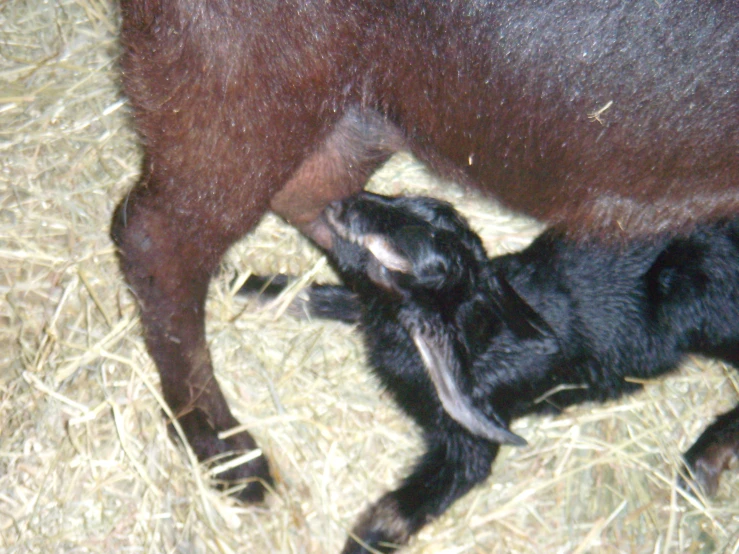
(378, 245)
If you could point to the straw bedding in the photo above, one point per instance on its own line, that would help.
(85, 461)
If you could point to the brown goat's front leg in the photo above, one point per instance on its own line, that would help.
(168, 248)
(453, 463)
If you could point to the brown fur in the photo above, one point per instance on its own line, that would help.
(602, 118)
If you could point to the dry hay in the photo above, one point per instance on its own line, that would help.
(85, 462)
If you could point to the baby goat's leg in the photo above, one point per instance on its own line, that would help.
(452, 465)
(714, 450)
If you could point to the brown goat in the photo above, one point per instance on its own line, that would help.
(605, 118)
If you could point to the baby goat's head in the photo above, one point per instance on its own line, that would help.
(427, 263)
(407, 245)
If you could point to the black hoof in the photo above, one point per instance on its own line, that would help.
(249, 480)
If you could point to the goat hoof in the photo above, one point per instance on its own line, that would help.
(700, 475)
(248, 481)
(714, 451)
(375, 543)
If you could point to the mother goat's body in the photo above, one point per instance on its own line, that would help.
(605, 118)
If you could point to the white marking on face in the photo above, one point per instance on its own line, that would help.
(381, 249)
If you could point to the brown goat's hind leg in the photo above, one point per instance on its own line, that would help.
(171, 235)
(714, 451)
(168, 248)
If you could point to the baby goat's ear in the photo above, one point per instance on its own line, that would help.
(442, 366)
(523, 321)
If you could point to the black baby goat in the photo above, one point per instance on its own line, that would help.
(465, 344)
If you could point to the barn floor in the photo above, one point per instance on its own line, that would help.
(85, 461)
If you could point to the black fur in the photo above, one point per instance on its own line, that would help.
(556, 324)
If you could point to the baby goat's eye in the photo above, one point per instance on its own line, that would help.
(440, 267)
